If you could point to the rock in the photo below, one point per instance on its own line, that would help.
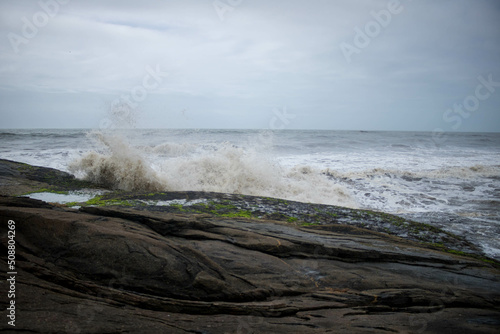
(18, 178)
(115, 269)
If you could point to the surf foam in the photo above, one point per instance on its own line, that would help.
(219, 168)
(120, 167)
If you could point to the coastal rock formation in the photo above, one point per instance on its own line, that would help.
(115, 269)
(191, 262)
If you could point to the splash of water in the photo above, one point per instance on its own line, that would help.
(120, 167)
(222, 168)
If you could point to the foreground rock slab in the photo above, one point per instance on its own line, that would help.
(45, 183)
(110, 270)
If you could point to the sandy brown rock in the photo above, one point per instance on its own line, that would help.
(110, 270)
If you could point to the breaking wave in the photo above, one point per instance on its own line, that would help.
(121, 167)
(458, 172)
(219, 168)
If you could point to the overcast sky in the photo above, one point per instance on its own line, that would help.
(293, 64)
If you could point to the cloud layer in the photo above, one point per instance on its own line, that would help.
(230, 63)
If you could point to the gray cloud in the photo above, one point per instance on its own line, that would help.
(264, 54)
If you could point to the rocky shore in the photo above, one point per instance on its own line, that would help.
(190, 262)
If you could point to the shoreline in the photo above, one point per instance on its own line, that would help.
(218, 263)
(33, 181)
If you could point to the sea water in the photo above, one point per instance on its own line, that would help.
(452, 182)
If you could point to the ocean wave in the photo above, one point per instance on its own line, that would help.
(228, 169)
(253, 168)
(121, 167)
(67, 134)
(170, 149)
(457, 172)
(8, 134)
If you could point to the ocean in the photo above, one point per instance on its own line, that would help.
(451, 182)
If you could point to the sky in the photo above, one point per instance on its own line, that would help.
(421, 65)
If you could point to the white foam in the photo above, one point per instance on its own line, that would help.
(120, 167)
(395, 182)
(224, 168)
(183, 202)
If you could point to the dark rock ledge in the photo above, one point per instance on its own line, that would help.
(138, 269)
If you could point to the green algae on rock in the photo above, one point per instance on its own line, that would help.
(32, 179)
(305, 214)
(137, 269)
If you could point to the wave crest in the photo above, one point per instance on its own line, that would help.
(225, 168)
(122, 168)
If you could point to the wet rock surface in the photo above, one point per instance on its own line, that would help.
(297, 213)
(19, 178)
(120, 266)
(107, 269)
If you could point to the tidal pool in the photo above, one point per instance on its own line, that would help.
(71, 196)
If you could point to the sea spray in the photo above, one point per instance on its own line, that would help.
(232, 169)
(221, 167)
(455, 186)
(121, 167)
